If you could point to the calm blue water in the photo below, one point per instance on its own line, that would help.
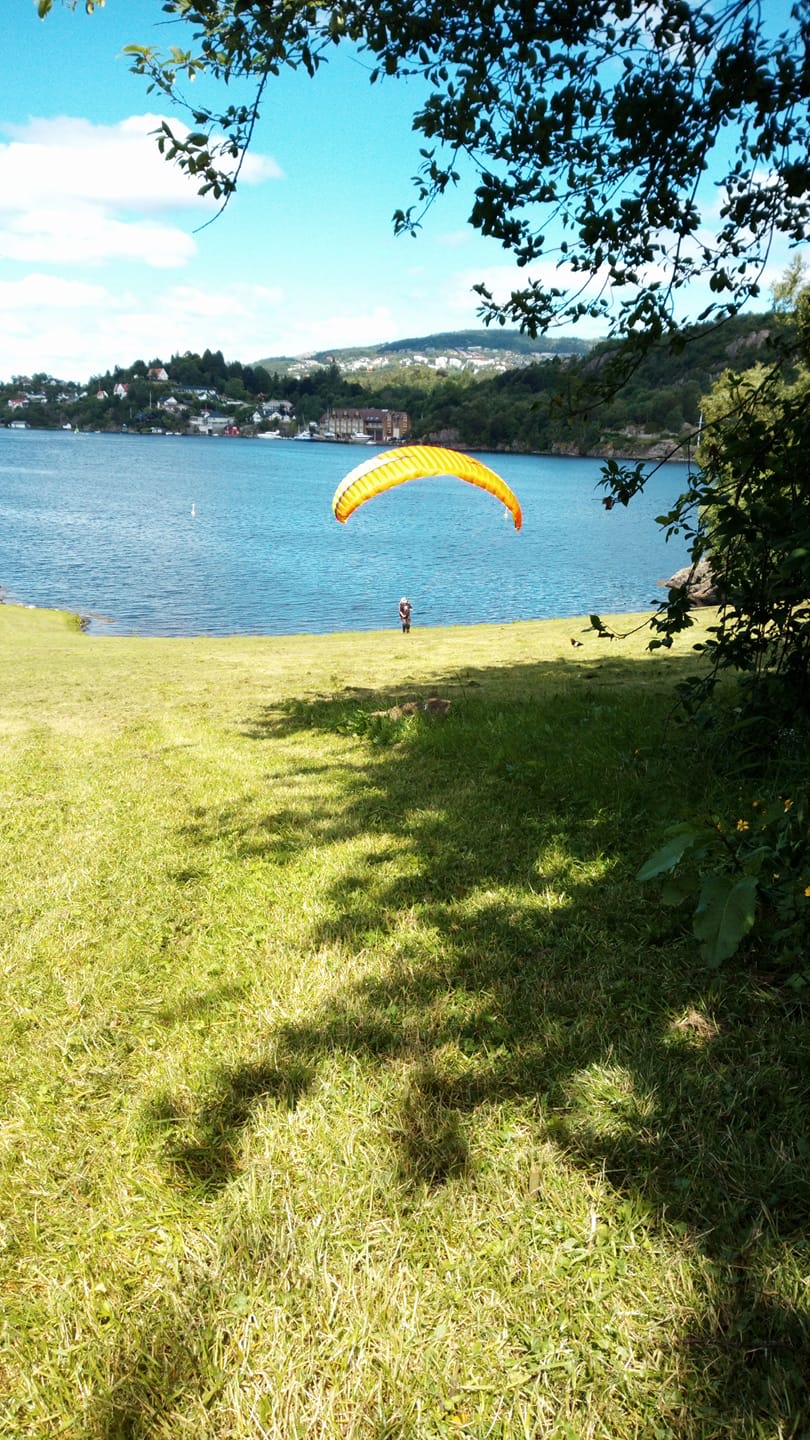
(104, 524)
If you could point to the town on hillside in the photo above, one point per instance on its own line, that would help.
(553, 401)
(157, 404)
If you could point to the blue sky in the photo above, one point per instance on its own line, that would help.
(99, 260)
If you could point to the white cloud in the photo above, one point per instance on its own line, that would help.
(355, 327)
(117, 167)
(73, 330)
(501, 280)
(75, 193)
(86, 236)
(48, 292)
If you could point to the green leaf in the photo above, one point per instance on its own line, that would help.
(725, 913)
(674, 891)
(663, 861)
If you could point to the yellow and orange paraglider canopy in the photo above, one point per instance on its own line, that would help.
(417, 462)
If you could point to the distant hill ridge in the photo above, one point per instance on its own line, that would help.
(500, 339)
(511, 341)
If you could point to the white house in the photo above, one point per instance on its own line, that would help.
(276, 409)
(200, 392)
(209, 423)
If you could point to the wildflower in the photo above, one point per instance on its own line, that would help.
(742, 825)
(807, 890)
(788, 804)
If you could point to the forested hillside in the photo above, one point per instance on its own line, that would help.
(555, 405)
(559, 405)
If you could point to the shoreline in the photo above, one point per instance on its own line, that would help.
(81, 620)
(658, 450)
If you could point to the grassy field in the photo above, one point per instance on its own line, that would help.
(351, 1085)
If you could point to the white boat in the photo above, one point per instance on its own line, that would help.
(269, 435)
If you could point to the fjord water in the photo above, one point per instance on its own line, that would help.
(163, 535)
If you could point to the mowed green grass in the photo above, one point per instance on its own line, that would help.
(351, 1086)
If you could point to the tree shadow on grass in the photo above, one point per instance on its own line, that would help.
(712, 1141)
(201, 1144)
(161, 1365)
(505, 969)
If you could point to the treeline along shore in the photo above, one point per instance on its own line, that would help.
(559, 403)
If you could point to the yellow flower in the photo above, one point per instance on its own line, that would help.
(807, 890)
(788, 804)
(742, 825)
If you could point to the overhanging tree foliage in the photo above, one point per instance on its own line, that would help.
(593, 132)
(747, 509)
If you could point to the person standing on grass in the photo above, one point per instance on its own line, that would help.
(405, 608)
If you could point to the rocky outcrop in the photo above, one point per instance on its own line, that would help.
(699, 583)
(628, 448)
